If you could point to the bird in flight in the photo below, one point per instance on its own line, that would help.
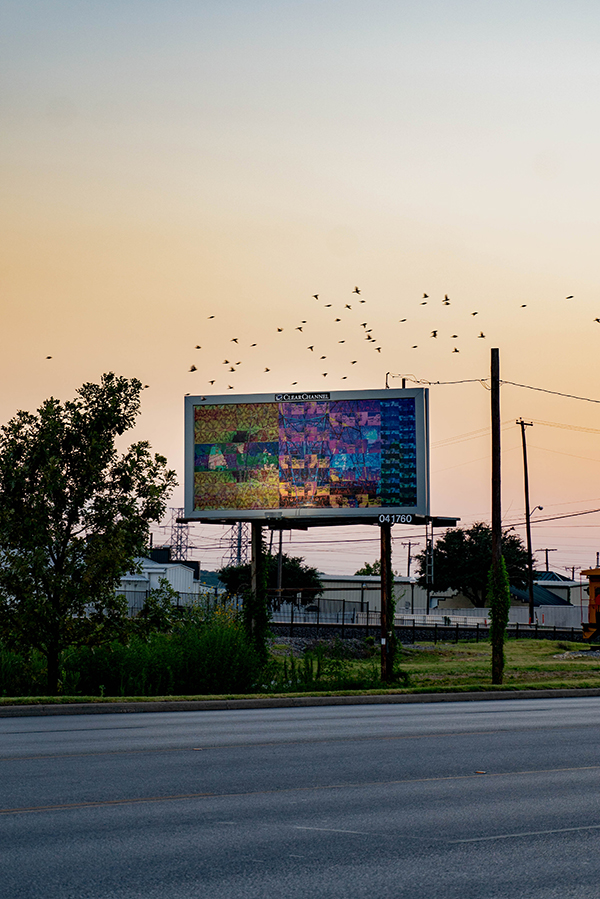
(402, 320)
(446, 300)
(597, 319)
(454, 336)
(229, 387)
(347, 306)
(569, 298)
(146, 386)
(234, 340)
(211, 316)
(231, 368)
(455, 350)
(253, 344)
(311, 348)
(424, 303)
(354, 362)
(481, 334)
(362, 301)
(328, 305)
(425, 296)
(267, 369)
(434, 333)
(323, 357)
(295, 382)
(341, 341)
(345, 378)
(193, 368)
(316, 296)
(48, 357)
(338, 319)
(211, 382)
(378, 348)
(198, 347)
(324, 374)
(299, 328)
(356, 290)
(416, 346)
(524, 306)
(279, 330)
(474, 313)
(364, 324)
(226, 362)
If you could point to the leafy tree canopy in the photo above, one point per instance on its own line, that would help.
(370, 570)
(297, 577)
(74, 515)
(462, 558)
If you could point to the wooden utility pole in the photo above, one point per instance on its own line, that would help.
(499, 587)
(496, 460)
(256, 616)
(387, 622)
(527, 424)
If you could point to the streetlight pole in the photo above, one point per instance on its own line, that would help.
(527, 424)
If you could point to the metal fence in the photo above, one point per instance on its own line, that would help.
(137, 598)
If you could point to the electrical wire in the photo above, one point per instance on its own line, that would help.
(554, 392)
(556, 424)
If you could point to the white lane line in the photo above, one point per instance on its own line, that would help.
(330, 830)
(528, 833)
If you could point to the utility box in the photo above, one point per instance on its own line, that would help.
(591, 628)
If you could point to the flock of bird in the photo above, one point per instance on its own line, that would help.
(344, 316)
(367, 334)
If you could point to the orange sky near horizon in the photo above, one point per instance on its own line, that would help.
(165, 163)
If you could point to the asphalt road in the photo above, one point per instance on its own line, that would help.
(473, 799)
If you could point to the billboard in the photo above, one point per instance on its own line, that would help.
(307, 456)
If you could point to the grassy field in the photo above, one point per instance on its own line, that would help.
(529, 663)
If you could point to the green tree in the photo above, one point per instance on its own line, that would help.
(74, 515)
(370, 570)
(297, 577)
(462, 558)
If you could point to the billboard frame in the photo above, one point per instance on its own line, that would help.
(303, 517)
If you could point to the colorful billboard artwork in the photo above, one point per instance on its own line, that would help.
(327, 454)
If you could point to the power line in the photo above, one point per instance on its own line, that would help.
(554, 392)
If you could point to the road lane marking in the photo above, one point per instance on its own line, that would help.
(321, 787)
(528, 833)
(362, 833)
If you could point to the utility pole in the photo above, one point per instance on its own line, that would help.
(499, 593)
(496, 459)
(280, 568)
(546, 550)
(410, 544)
(387, 623)
(527, 424)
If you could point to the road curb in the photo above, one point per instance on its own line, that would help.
(291, 702)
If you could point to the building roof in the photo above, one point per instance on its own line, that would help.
(551, 576)
(541, 596)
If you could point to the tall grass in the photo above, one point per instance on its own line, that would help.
(205, 652)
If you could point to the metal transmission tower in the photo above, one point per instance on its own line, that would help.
(238, 538)
(180, 537)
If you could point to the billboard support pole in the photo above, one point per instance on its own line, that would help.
(255, 605)
(387, 623)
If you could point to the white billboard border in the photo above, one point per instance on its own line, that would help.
(301, 517)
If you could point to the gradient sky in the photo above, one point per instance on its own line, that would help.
(163, 162)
